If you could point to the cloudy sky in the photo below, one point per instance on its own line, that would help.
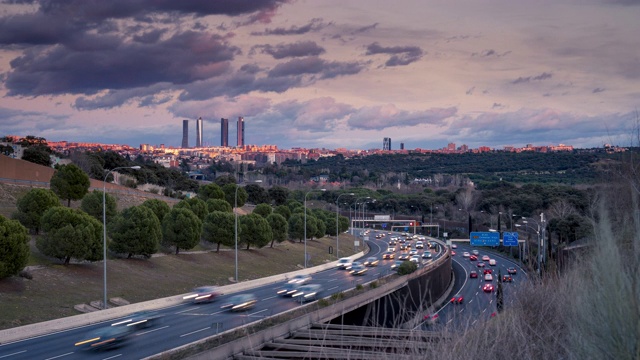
(322, 73)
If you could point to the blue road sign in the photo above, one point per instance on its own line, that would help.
(510, 239)
(485, 238)
(384, 225)
(406, 228)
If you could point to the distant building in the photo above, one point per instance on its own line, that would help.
(451, 147)
(224, 132)
(199, 132)
(386, 144)
(185, 134)
(401, 146)
(240, 131)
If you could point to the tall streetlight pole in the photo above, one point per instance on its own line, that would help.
(337, 227)
(235, 229)
(355, 211)
(364, 210)
(305, 224)
(104, 227)
(541, 230)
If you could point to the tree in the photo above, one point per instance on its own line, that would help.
(159, 208)
(279, 227)
(279, 195)
(219, 228)
(14, 247)
(225, 180)
(255, 230)
(210, 191)
(296, 226)
(196, 205)
(69, 182)
(33, 205)
(263, 210)
(6, 150)
(181, 228)
(321, 228)
(136, 231)
(218, 205)
(283, 210)
(92, 205)
(38, 155)
(343, 224)
(70, 233)
(230, 194)
(257, 194)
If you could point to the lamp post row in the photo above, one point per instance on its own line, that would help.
(337, 224)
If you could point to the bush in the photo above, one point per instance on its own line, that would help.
(407, 268)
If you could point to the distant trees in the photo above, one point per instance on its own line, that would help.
(33, 205)
(14, 247)
(35, 150)
(159, 208)
(70, 233)
(92, 204)
(136, 231)
(279, 228)
(197, 205)
(210, 191)
(218, 205)
(219, 228)
(257, 194)
(181, 228)
(279, 195)
(69, 182)
(230, 194)
(255, 230)
(263, 210)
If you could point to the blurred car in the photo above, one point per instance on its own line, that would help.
(488, 277)
(403, 246)
(430, 319)
(475, 252)
(473, 258)
(512, 270)
(391, 249)
(141, 320)
(466, 254)
(240, 302)
(457, 300)
(488, 287)
(358, 269)
(507, 278)
(480, 264)
(413, 252)
(388, 255)
(453, 253)
(396, 264)
(392, 242)
(473, 274)
(403, 256)
(492, 262)
(309, 292)
(344, 263)
(485, 258)
(487, 271)
(371, 261)
(106, 337)
(203, 294)
(300, 279)
(415, 259)
(289, 289)
(419, 245)
(454, 246)
(427, 255)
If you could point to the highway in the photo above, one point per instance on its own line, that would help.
(187, 322)
(476, 304)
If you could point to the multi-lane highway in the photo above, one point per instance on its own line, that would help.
(185, 323)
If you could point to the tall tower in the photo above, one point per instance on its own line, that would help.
(199, 132)
(386, 144)
(185, 134)
(240, 131)
(224, 132)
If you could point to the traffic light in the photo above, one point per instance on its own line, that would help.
(411, 223)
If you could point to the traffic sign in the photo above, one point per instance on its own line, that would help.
(384, 225)
(510, 239)
(485, 238)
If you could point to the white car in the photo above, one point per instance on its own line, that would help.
(419, 245)
(475, 252)
(454, 246)
(492, 262)
(488, 277)
(415, 259)
(466, 254)
(344, 263)
(485, 257)
(300, 279)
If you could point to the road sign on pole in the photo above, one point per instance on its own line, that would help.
(510, 239)
(489, 238)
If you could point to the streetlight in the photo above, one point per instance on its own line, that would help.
(364, 211)
(355, 210)
(540, 232)
(104, 227)
(469, 214)
(235, 230)
(337, 227)
(305, 224)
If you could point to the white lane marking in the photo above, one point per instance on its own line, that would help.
(112, 357)
(491, 301)
(217, 312)
(332, 280)
(269, 298)
(333, 288)
(190, 309)
(59, 356)
(258, 312)
(483, 311)
(152, 330)
(474, 322)
(15, 353)
(470, 301)
(197, 331)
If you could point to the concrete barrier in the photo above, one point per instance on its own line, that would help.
(52, 326)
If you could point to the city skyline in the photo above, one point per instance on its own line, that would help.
(334, 74)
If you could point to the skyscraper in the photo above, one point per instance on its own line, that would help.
(224, 132)
(185, 134)
(199, 132)
(240, 131)
(386, 144)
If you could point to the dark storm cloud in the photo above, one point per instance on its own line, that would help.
(313, 26)
(107, 63)
(522, 80)
(299, 49)
(401, 55)
(317, 66)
